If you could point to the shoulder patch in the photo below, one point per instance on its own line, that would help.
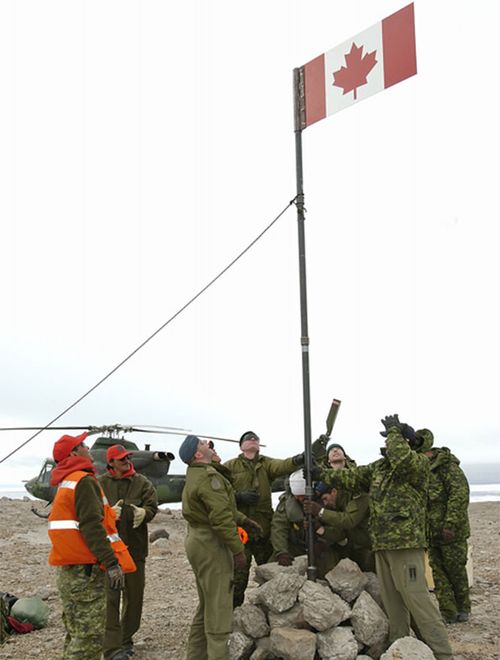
(216, 483)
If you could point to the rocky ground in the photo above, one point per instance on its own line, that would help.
(171, 594)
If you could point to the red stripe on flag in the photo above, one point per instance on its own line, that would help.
(314, 89)
(398, 36)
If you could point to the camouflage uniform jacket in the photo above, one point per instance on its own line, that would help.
(258, 474)
(397, 485)
(137, 490)
(448, 499)
(208, 500)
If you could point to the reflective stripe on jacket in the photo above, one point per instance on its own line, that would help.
(68, 544)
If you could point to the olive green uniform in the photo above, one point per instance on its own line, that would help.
(257, 474)
(212, 539)
(137, 490)
(288, 536)
(397, 485)
(448, 504)
(350, 519)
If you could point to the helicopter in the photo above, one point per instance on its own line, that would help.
(154, 464)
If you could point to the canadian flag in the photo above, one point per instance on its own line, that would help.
(373, 60)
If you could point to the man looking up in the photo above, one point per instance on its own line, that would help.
(85, 545)
(213, 546)
(252, 476)
(397, 485)
(134, 501)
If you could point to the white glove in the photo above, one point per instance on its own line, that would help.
(139, 514)
(117, 508)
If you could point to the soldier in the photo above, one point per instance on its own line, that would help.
(343, 512)
(212, 546)
(448, 525)
(85, 546)
(135, 503)
(252, 475)
(397, 485)
(288, 530)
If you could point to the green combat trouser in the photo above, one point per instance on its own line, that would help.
(404, 592)
(84, 605)
(120, 630)
(212, 564)
(450, 577)
(262, 550)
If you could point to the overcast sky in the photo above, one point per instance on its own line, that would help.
(144, 144)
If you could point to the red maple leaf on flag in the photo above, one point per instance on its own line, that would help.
(354, 74)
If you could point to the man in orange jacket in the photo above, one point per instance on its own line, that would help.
(85, 547)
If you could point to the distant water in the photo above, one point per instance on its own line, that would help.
(484, 481)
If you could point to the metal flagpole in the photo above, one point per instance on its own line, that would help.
(299, 112)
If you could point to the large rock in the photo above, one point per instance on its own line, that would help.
(373, 588)
(322, 608)
(347, 579)
(369, 621)
(292, 644)
(408, 648)
(280, 593)
(240, 646)
(338, 644)
(292, 618)
(266, 572)
(262, 649)
(251, 620)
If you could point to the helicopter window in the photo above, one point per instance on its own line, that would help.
(45, 472)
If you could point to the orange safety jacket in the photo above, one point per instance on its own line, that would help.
(68, 544)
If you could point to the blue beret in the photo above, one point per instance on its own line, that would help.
(188, 448)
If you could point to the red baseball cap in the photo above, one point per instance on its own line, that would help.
(65, 445)
(117, 451)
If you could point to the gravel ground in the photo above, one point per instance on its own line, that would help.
(171, 598)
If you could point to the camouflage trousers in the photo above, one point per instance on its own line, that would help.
(262, 550)
(83, 599)
(450, 577)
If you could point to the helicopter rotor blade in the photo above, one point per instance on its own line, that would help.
(118, 428)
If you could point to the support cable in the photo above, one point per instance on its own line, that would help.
(146, 341)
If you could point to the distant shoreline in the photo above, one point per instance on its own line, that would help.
(479, 493)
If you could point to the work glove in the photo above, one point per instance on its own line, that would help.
(311, 507)
(240, 561)
(318, 447)
(255, 527)
(248, 497)
(139, 515)
(298, 460)
(117, 508)
(116, 577)
(284, 559)
(448, 535)
(388, 421)
(408, 432)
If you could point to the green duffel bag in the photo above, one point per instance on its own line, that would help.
(31, 610)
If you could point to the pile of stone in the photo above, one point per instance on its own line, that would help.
(291, 618)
